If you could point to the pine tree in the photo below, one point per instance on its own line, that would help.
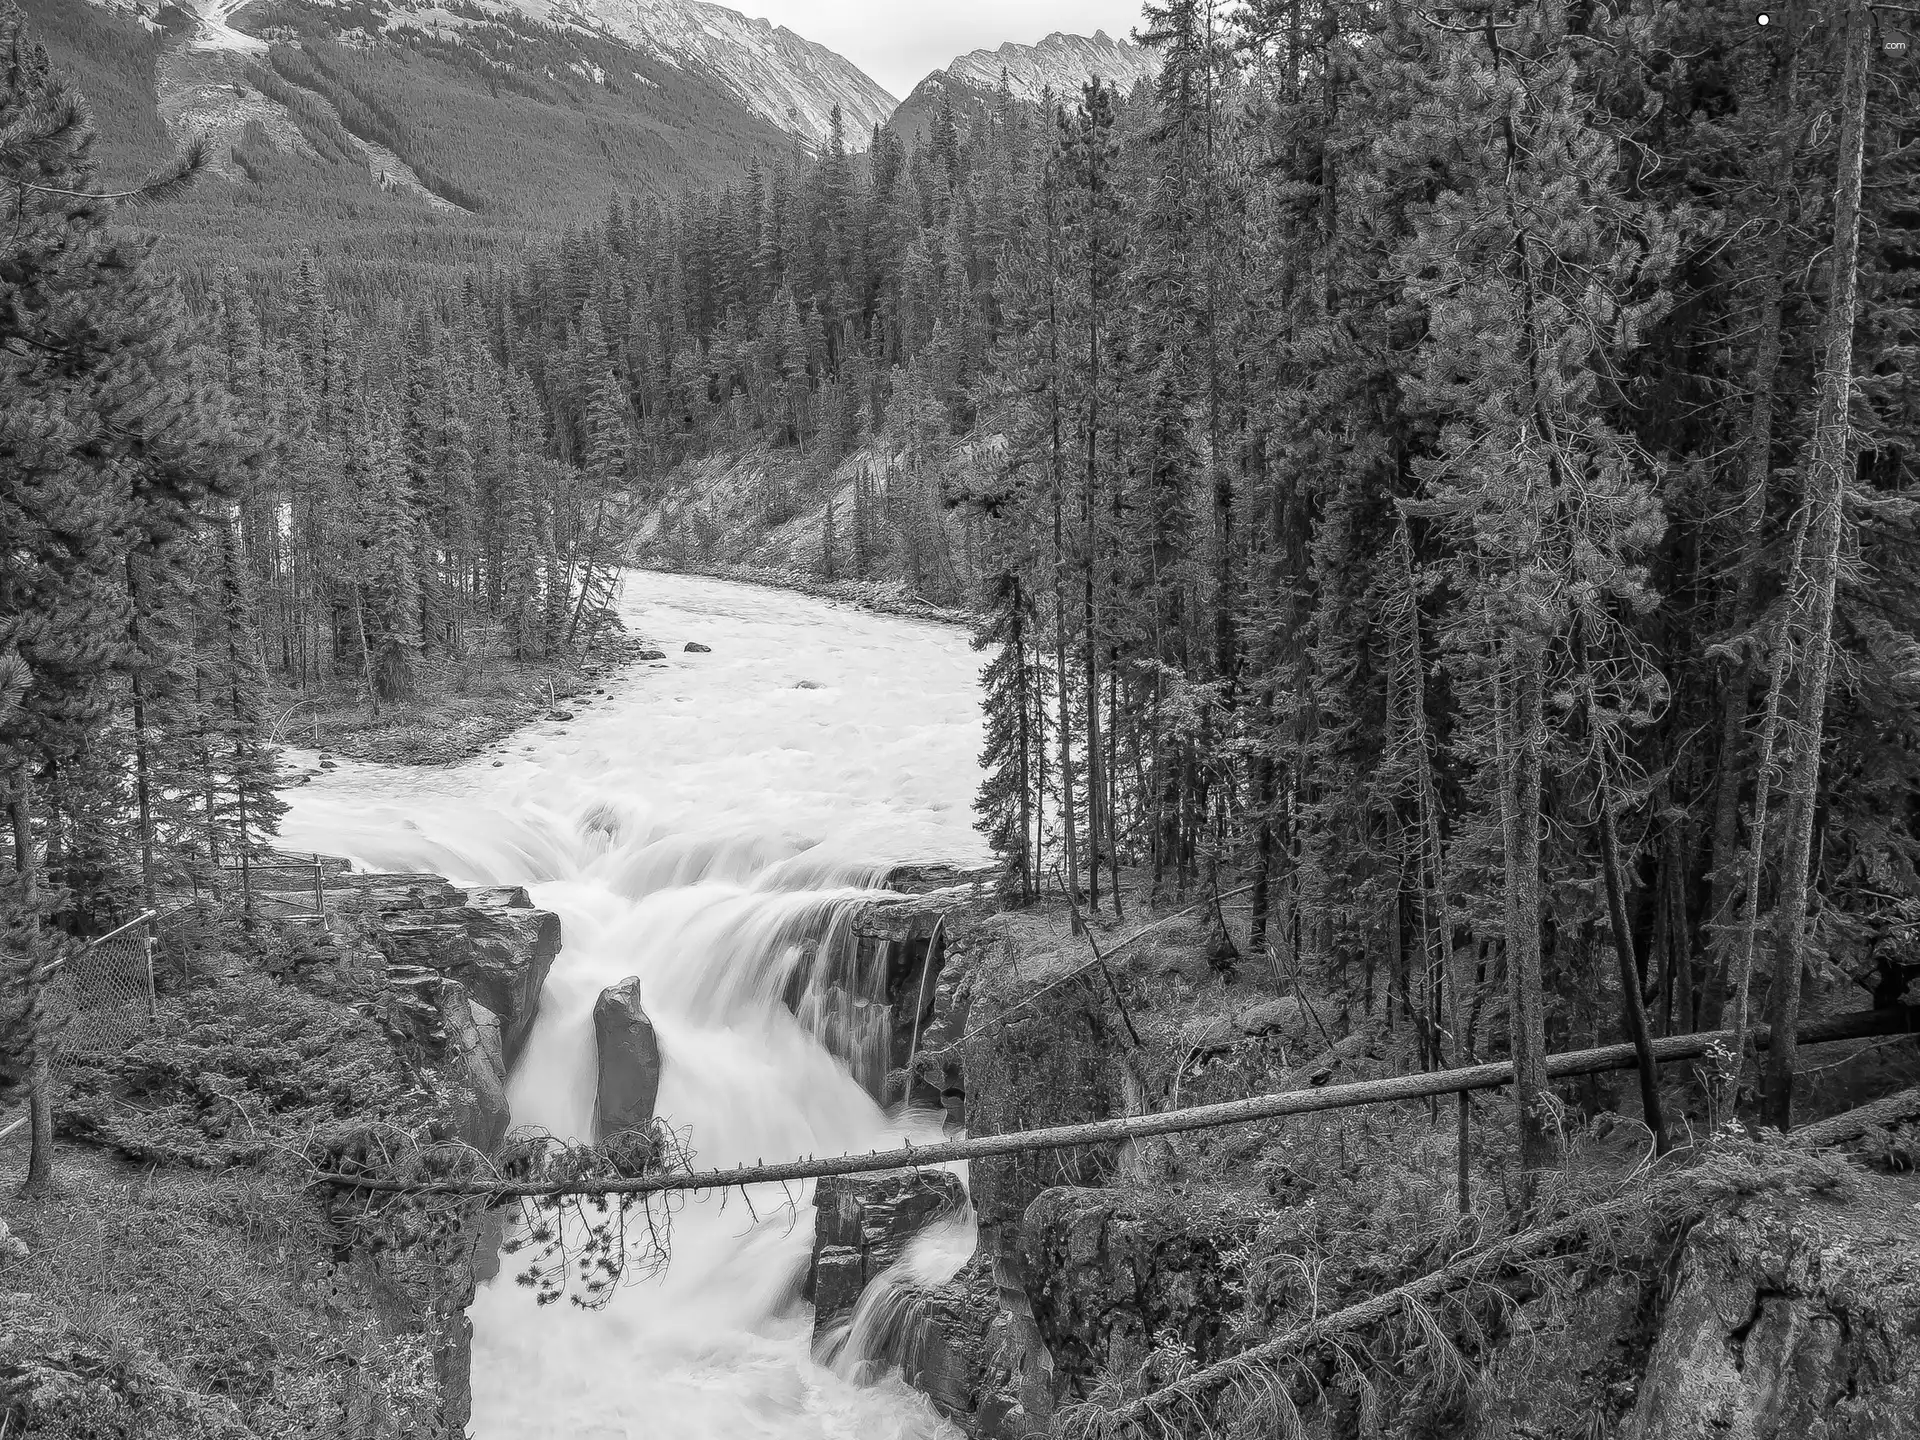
(829, 545)
(387, 588)
(1009, 690)
(1519, 267)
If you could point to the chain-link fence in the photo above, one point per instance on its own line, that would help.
(104, 996)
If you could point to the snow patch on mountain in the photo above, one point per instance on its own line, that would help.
(1060, 63)
(212, 32)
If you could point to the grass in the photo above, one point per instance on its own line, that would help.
(158, 1305)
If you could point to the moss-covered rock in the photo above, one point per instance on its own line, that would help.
(1793, 1321)
(1115, 1275)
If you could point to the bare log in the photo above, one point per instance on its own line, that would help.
(1668, 1050)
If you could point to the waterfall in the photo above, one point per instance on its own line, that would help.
(884, 1331)
(712, 827)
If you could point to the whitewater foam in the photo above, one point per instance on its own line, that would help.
(709, 827)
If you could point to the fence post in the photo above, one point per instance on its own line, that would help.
(146, 944)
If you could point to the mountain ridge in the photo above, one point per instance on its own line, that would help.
(1060, 63)
(777, 72)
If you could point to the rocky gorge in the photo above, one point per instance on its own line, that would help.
(1776, 1311)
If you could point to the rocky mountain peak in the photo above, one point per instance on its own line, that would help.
(1060, 62)
(782, 77)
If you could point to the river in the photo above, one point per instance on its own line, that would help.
(698, 826)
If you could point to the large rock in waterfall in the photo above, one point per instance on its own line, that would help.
(861, 1225)
(500, 952)
(629, 1057)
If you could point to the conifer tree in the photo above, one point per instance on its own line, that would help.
(108, 441)
(1006, 802)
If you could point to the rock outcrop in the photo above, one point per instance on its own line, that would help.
(1049, 1065)
(1111, 1273)
(862, 1223)
(628, 1060)
(500, 951)
(473, 1035)
(1793, 1321)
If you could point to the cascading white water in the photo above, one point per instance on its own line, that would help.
(705, 827)
(884, 1329)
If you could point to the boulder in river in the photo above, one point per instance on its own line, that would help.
(629, 1061)
(694, 647)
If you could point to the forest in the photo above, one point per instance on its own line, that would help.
(1431, 494)
(1445, 473)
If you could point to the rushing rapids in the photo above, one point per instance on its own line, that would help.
(706, 827)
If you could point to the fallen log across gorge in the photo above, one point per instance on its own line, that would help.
(1671, 1049)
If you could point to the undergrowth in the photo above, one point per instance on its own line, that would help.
(1421, 1371)
(234, 1074)
(183, 1281)
(165, 1305)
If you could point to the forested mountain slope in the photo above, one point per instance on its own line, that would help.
(395, 140)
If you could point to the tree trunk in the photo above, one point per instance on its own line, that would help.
(1632, 1002)
(1522, 745)
(40, 1073)
(1634, 1008)
(1089, 485)
(366, 650)
(142, 767)
(1757, 471)
(1827, 483)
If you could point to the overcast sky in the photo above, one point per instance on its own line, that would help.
(899, 42)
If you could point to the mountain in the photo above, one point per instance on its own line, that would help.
(396, 137)
(779, 75)
(1060, 63)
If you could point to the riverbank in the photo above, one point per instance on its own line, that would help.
(882, 597)
(466, 707)
(463, 707)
